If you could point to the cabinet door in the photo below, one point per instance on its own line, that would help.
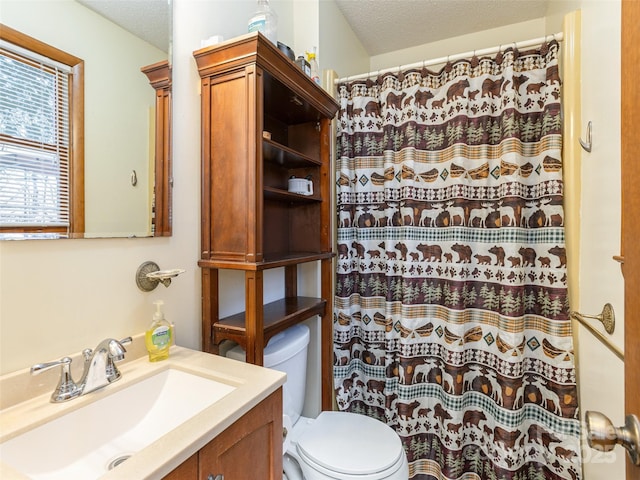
(186, 471)
(232, 192)
(250, 448)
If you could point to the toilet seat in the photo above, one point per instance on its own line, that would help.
(350, 445)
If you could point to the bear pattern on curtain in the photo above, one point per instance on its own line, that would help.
(451, 319)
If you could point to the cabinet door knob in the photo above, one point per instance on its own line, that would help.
(217, 477)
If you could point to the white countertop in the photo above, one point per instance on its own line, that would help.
(22, 411)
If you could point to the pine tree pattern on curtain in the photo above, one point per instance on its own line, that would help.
(451, 319)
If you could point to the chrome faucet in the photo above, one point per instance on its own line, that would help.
(99, 365)
(99, 370)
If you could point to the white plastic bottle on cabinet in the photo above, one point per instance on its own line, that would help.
(313, 63)
(265, 20)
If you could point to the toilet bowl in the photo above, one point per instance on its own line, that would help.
(347, 446)
(335, 445)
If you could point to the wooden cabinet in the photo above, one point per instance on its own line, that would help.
(188, 470)
(263, 121)
(250, 448)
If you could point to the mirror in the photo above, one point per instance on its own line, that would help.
(127, 86)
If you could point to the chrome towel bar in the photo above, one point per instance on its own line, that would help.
(607, 318)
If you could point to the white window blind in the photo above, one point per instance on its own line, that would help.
(34, 140)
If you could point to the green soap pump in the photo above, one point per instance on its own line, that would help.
(158, 337)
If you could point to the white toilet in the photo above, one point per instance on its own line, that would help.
(335, 445)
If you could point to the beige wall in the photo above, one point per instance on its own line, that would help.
(340, 49)
(464, 43)
(600, 373)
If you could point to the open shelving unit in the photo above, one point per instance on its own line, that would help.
(263, 122)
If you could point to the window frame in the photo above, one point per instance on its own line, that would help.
(76, 133)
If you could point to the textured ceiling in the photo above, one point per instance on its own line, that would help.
(387, 25)
(147, 19)
(381, 25)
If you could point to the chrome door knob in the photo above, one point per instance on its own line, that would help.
(603, 436)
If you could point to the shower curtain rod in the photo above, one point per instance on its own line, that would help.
(452, 58)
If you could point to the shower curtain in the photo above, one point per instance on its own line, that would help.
(451, 313)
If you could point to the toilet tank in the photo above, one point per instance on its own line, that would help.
(286, 352)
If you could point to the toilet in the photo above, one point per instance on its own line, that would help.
(335, 445)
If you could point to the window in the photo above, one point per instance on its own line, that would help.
(41, 131)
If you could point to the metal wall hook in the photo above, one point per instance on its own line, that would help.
(588, 144)
(607, 318)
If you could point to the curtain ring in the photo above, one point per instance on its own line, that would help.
(544, 48)
(474, 60)
(498, 58)
(370, 82)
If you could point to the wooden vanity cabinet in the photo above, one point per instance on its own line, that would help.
(250, 448)
(188, 470)
(263, 121)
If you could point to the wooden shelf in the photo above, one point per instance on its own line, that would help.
(271, 193)
(278, 316)
(283, 260)
(282, 155)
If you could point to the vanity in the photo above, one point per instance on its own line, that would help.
(193, 416)
(252, 436)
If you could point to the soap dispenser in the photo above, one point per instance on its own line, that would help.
(158, 337)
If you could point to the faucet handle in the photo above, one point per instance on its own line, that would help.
(43, 367)
(125, 341)
(67, 388)
(116, 348)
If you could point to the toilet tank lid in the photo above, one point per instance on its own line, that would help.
(280, 348)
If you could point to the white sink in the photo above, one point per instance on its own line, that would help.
(84, 443)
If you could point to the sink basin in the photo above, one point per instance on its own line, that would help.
(87, 442)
